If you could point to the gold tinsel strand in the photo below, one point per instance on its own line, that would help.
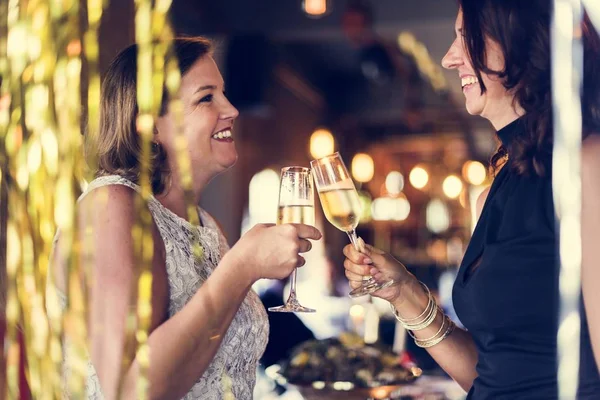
(6, 288)
(154, 36)
(142, 232)
(40, 125)
(40, 121)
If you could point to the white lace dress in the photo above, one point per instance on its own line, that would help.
(245, 340)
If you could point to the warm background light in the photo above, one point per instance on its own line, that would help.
(315, 8)
(366, 200)
(363, 167)
(474, 172)
(262, 199)
(437, 216)
(390, 208)
(394, 183)
(452, 186)
(418, 177)
(322, 143)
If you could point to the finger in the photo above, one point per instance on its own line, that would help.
(355, 256)
(377, 256)
(301, 261)
(378, 276)
(355, 284)
(304, 246)
(373, 250)
(264, 225)
(358, 269)
(307, 232)
(353, 277)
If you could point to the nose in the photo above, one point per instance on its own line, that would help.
(453, 58)
(229, 112)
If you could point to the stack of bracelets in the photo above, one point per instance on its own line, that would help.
(425, 319)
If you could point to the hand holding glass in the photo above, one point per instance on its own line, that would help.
(342, 208)
(296, 206)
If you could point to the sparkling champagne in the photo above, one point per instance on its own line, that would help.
(297, 214)
(342, 207)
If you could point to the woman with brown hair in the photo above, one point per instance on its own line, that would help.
(506, 292)
(208, 327)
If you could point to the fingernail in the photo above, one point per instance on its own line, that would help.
(368, 260)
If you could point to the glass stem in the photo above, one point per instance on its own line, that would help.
(292, 295)
(355, 243)
(353, 239)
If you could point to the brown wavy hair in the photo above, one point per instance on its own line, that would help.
(116, 147)
(522, 30)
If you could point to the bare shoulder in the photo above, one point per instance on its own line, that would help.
(590, 170)
(590, 154)
(114, 203)
(106, 217)
(481, 201)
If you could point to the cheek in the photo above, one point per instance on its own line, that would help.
(199, 126)
(495, 88)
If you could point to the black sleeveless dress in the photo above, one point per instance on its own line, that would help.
(509, 301)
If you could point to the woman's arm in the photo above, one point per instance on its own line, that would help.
(590, 236)
(183, 346)
(456, 354)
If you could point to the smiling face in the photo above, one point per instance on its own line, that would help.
(208, 119)
(496, 103)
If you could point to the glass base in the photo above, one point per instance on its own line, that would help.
(292, 305)
(369, 286)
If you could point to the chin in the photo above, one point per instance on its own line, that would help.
(473, 109)
(228, 162)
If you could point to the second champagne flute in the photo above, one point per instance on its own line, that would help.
(342, 208)
(296, 206)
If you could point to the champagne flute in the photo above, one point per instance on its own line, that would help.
(342, 208)
(296, 206)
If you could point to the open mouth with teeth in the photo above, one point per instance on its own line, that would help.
(223, 136)
(468, 82)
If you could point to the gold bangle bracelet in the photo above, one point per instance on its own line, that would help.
(412, 335)
(426, 317)
(430, 300)
(429, 318)
(430, 314)
(431, 343)
(426, 322)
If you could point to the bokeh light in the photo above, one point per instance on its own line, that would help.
(363, 167)
(322, 143)
(452, 186)
(418, 177)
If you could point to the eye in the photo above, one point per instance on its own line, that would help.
(206, 99)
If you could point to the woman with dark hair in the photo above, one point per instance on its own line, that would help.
(506, 292)
(208, 328)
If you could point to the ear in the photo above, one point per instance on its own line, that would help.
(158, 128)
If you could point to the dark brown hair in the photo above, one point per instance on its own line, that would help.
(116, 147)
(522, 30)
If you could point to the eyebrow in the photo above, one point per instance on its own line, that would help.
(206, 87)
